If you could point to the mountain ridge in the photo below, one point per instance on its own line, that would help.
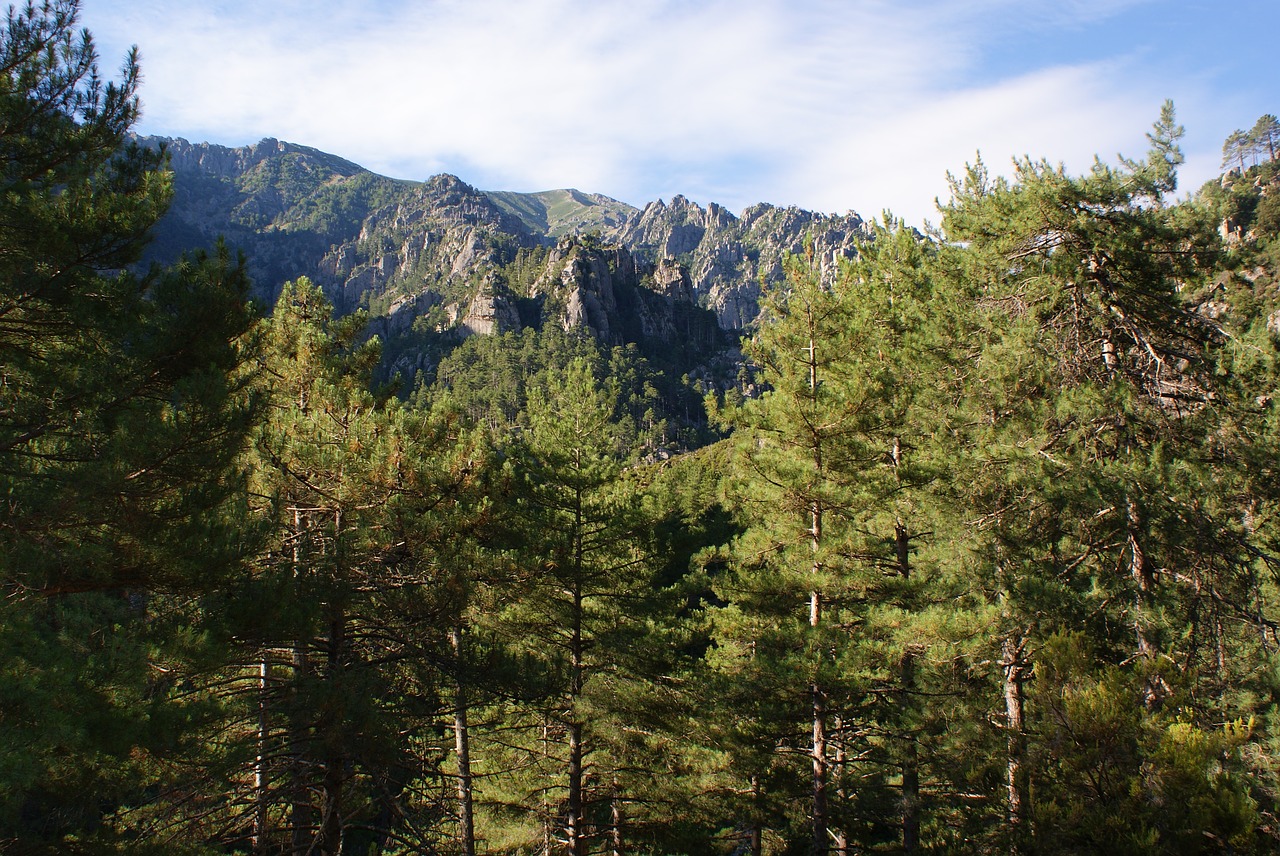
(443, 255)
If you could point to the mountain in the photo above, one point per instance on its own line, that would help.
(435, 261)
(728, 257)
(555, 213)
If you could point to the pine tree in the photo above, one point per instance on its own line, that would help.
(587, 565)
(835, 462)
(1265, 135)
(124, 414)
(1090, 392)
(1235, 149)
(344, 622)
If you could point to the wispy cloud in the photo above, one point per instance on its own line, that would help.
(830, 104)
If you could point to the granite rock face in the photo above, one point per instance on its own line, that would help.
(367, 240)
(441, 250)
(727, 257)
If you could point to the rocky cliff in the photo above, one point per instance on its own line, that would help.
(728, 257)
(441, 257)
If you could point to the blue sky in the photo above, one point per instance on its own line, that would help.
(831, 105)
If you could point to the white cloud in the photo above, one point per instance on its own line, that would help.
(831, 104)
(1062, 115)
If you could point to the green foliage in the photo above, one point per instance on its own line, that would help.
(987, 562)
(361, 495)
(835, 481)
(1116, 779)
(490, 378)
(330, 208)
(1097, 417)
(1256, 145)
(124, 414)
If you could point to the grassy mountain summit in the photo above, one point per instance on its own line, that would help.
(563, 212)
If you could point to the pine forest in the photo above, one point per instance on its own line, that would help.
(972, 547)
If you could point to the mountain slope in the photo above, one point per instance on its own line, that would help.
(400, 248)
(554, 213)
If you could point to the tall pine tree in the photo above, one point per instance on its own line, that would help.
(123, 417)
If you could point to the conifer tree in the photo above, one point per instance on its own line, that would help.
(1235, 149)
(1265, 135)
(587, 565)
(1089, 392)
(346, 616)
(123, 419)
(834, 469)
(790, 573)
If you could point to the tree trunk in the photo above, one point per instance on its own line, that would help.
(839, 840)
(910, 768)
(1143, 579)
(301, 818)
(1143, 575)
(819, 708)
(575, 825)
(818, 694)
(462, 745)
(335, 759)
(1015, 670)
(615, 820)
(574, 831)
(260, 817)
(820, 844)
(548, 815)
(757, 821)
(911, 751)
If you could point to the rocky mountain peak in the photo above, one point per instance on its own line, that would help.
(381, 243)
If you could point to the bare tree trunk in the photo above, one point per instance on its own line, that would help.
(1140, 569)
(462, 745)
(574, 826)
(819, 708)
(840, 841)
(757, 834)
(1015, 670)
(820, 844)
(260, 817)
(615, 820)
(817, 692)
(1144, 581)
(334, 758)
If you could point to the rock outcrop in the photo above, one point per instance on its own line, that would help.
(406, 249)
(728, 257)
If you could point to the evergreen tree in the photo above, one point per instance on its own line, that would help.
(1090, 393)
(329, 728)
(789, 568)
(1235, 149)
(1265, 135)
(587, 565)
(835, 470)
(123, 419)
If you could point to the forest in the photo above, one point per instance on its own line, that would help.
(981, 555)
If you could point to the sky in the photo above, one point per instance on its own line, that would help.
(830, 105)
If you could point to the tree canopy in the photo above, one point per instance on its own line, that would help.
(980, 555)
